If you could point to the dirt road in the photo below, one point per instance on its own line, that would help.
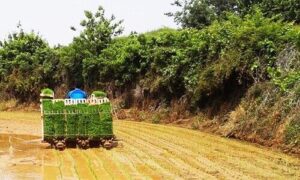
(146, 151)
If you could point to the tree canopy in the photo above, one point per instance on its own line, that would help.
(80, 57)
(201, 13)
(27, 63)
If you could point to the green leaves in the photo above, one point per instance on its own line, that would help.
(166, 62)
(201, 13)
(82, 55)
(286, 72)
(285, 81)
(88, 14)
(26, 64)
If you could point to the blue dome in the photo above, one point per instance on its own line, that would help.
(77, 94)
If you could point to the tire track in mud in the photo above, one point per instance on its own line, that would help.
(234, 145)
(60, 163)
(98, 166)
(238, 147)
(144, 172)
(108, 164)
(192, 163)
(126, 164)
(182, 149)
(81, 164)
(153, 164)
(156, 168)
(170, 161)
(73, 164)
(224, 156)
(50, 165)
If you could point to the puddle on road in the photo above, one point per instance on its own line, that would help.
(24, 157)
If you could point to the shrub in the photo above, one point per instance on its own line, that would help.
(27, 63)
(292, 132)
(156, 119)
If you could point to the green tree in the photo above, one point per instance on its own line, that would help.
(201, 13)
(80, 57)
(27, 64)
(289, 10)
(196, 14)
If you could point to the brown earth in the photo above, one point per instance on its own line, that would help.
(146, 151)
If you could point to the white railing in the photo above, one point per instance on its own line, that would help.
(92, 101)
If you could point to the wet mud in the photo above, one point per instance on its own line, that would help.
(23, 157)
(145, 151)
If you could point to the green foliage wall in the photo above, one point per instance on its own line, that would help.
(173, 63)
(168, 63)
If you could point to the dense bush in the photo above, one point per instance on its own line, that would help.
(27, 64)
(197, 63)
(169, 63)
(79, 65)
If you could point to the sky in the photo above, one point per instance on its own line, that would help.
(52, 19)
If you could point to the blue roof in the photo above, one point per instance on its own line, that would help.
(77, 94)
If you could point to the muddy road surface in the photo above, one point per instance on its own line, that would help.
(146, 151)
